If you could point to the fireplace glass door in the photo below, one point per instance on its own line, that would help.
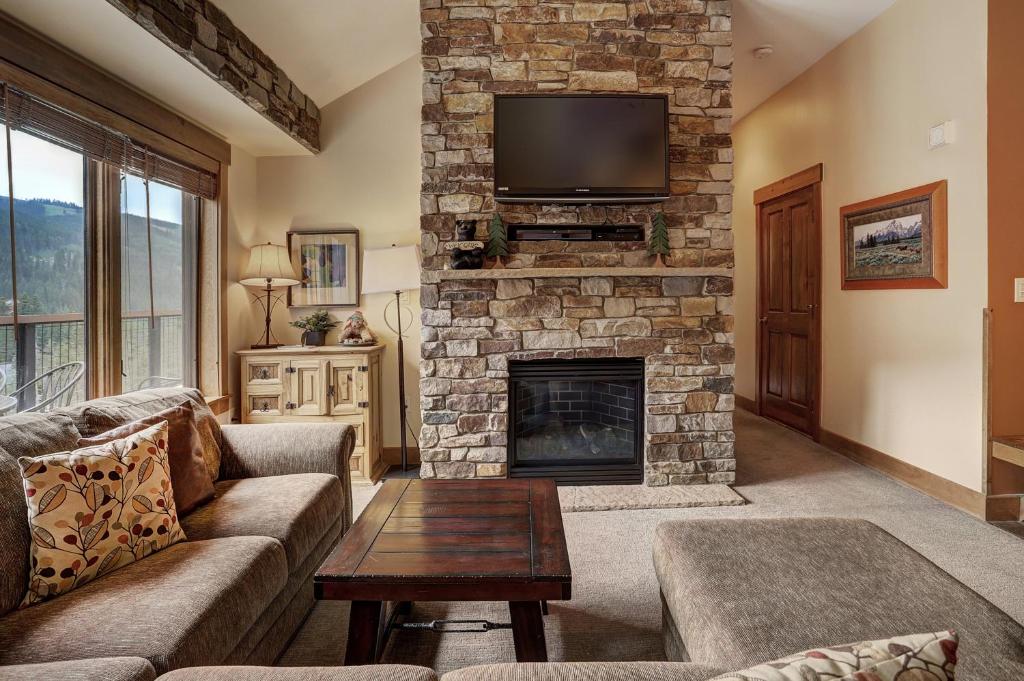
(577, 421)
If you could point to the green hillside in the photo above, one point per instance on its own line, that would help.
(51, 260)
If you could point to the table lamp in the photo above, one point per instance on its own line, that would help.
(394, 269)
(269, 267)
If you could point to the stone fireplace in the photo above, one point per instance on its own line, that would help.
(562, 301)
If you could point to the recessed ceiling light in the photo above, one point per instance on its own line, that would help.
(763, 52)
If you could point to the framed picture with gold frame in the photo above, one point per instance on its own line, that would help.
(327, 263)
(899, 241)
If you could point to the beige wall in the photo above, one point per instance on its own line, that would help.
(902, 370)
(367, 176)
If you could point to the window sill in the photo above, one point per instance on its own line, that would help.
(219, 405)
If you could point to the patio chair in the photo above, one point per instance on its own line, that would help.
(52, 390)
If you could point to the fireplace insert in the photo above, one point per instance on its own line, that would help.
(577, 421)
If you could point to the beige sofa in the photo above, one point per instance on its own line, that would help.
(234, 593)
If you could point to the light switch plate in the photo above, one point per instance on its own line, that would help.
(1018, 290)
(941, 135)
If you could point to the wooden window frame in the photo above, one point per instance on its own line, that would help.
(35, 64)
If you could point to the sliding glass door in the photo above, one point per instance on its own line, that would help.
(47, 268)
(158, 270)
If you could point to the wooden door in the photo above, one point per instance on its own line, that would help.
(307, 394)
(346, 385)
(789, 312)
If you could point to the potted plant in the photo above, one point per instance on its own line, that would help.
(315, 328)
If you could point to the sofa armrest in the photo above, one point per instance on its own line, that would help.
(585, 671)
(263, 450)
(98, 669)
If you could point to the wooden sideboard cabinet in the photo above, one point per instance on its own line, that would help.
(293, 384)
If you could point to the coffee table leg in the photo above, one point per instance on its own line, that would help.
(363, 633)
(528, 631)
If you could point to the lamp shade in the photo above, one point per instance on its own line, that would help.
(269, 263)
(391, 269)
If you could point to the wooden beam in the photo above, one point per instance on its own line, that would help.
(935, 486)
(39, 57)
(805, 178)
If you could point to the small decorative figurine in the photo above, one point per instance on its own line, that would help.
(356, 332)
(467, 258)
(657, 245)
(497, 241)
(465, 230)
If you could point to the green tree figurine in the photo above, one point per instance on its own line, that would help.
(497, 241)
(657, 245)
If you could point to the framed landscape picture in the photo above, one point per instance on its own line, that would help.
(327, 263)
(897, 241)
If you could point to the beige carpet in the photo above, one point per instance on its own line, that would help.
(615, 613)
(635, 497)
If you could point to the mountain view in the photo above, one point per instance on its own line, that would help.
(889, 243)
(892, 232)
(51, 260)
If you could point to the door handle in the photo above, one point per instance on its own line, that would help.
(764, 320)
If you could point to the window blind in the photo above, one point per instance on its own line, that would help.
(27, 113)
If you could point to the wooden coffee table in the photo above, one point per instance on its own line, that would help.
(450, 540)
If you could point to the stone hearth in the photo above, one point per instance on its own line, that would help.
(578, 299)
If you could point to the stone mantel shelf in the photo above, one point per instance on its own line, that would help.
(556, 272)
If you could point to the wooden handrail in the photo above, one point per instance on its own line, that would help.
(76, 317)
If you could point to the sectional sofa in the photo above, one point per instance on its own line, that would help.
(234, 593)
(223, 605)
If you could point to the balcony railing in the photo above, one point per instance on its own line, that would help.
(45, 342)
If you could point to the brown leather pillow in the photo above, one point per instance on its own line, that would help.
(189, 476)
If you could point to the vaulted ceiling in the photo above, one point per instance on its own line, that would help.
(330, 47)
(800, 31)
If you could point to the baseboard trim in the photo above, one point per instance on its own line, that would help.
(746, 404)
(393, 456)
(929, 483)
(1004, 507)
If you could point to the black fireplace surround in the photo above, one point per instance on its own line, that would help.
(577, 421)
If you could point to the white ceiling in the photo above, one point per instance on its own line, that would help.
(100, 33)
(330, 47)
(801, 31)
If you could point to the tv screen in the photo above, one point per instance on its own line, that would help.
(580, 148)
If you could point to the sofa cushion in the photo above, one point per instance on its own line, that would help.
(743, 592)
(585, 671)
(99, 669)
(187, 605)
(377, 672)
(97, 509)
(190, 476)
(98, 416)
(918, 656)
(297, 510)
(23, 435)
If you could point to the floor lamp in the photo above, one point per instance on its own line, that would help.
(394, 270)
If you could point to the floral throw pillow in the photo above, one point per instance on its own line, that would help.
(96, 509)
(920, 657)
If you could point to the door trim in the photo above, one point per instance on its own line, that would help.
(811, 177)
(788, 185)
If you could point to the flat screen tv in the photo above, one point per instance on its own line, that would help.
(580, 148)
